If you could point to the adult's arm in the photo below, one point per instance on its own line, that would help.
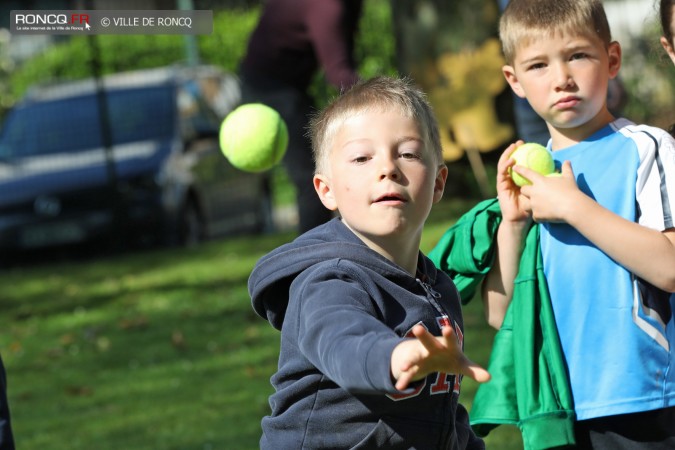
(329, 23)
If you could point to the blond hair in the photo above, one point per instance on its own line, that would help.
(379, 93)
(526, 20)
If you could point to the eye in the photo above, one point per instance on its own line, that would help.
(409, 154)
(579, 55)
(536, 66)
(360, 159)
(410, 149)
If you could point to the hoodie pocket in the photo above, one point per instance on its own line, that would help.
(401, 434)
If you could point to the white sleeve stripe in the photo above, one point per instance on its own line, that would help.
(649, 329)
(665, 201)
(656, 177)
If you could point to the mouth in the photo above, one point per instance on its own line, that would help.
(390, 198)
(567, 102)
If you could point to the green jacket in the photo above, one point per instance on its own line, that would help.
(529, 386)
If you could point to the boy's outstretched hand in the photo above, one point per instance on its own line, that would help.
(414, 359)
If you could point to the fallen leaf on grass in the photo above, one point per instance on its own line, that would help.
(133, 323)
(178, 339)
(79, 391)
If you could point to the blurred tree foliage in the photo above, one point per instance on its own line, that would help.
(71, 59)
(648, 79)
(6, 66)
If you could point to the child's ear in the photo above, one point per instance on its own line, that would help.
(511, 78)
(322, 187)
(439, 183)
(668, 48)
(614, 56)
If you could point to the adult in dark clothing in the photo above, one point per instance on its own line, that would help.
(293, 40)
(6, 437)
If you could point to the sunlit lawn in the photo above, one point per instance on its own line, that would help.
(159, 349)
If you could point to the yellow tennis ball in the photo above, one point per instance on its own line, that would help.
(533, 156)
(253, 137)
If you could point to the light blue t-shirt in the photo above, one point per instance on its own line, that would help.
(617, 332)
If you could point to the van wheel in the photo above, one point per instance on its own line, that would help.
(191, 225)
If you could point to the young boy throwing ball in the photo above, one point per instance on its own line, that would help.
(607, 232)
(371, 333)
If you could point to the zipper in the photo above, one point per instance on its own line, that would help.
(432, 297)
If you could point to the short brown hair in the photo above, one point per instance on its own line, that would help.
(666, 14)
(381, 92)
(525, 20)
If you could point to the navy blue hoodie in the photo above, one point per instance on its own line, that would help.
(342, 308)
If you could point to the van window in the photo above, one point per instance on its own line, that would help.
(73, 124)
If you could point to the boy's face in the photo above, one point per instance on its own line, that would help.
(382, 178)
(565, 78)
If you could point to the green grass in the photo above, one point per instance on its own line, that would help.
(159, 349)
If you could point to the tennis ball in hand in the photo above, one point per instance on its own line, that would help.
(253, 137)
(534, 157)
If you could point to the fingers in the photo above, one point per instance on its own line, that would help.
(438, 354)
(511, 148)
(505, 161)
(427, 339)
(469, 368)
(405, 378)
(534, 176)
(528, 173)
(432, 343)
(477, 373)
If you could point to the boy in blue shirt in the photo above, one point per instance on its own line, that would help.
(607, 232)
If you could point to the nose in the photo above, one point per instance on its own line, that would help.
(563, 77)
(389, 169)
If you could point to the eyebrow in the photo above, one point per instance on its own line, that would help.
(400, 140)
(575, 47)
(410, 138)
(354, 141)
(529, 61)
